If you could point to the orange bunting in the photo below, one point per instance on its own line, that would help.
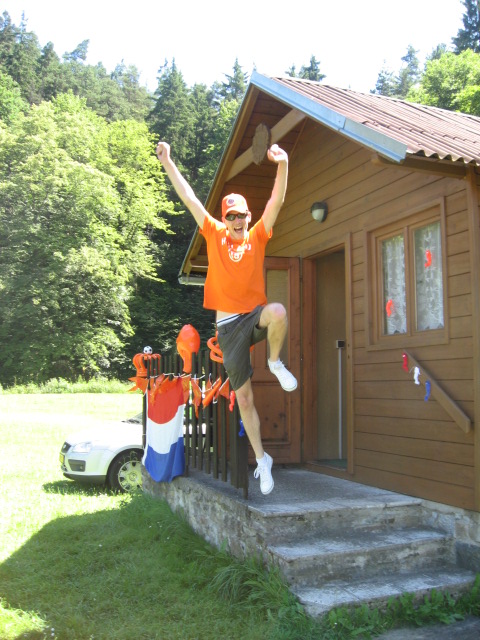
(197, 395)
(225, 389)
(186, 388)
(156, 387)
(210, 394)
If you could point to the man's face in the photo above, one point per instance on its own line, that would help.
(237, 228)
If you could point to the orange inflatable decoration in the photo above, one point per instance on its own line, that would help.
(141, 379)
(188, 342)
(215, 351)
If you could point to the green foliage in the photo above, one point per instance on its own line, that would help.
(450, 82)
(60, 385)
(398, 86)
(76, 197)
(469, 36)
(308, 72)
(11, 101)
(41, 75)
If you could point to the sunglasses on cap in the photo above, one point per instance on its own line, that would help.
(232, 216)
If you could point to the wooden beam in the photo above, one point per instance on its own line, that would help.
(286, 124)
(474, 236)
(451, 407)
(424, 165)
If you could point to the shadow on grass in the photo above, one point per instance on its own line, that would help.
(69, 487)
(97, 575)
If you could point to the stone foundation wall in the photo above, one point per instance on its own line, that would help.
(223, 518)
(221, 521)
(463, 525)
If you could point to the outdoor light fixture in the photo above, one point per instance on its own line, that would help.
(319, 211)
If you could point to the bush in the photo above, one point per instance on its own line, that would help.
(59, 385)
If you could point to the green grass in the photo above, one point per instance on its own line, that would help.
(80, 563)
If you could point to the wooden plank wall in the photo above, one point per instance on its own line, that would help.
(401, 442)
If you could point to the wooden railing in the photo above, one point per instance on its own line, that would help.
(451, 407)
(214, 442)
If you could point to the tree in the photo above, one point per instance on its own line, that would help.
(386, 84)
(11, 101)
(310, 72)
(450, 82)
(77, 196)
(469, 37)
(235, 86)
(398, 86)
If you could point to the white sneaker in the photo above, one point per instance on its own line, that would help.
(286, 379)
(264, 470)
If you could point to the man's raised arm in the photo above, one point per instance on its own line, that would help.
(280, 157)
(181, 186)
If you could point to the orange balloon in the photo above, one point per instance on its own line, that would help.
(188, 342)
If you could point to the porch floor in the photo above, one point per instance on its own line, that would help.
(299, 491)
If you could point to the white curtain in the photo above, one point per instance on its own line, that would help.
(394, 294)
(428, 278)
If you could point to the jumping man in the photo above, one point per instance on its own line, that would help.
(235, 289)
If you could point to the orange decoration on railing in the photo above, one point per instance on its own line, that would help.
(211, 392)
(141, 379)
(215, 351)
(188, 342)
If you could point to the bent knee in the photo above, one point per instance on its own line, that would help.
(244, 398)
(274, 312)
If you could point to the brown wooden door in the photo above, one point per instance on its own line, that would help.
(279, 411)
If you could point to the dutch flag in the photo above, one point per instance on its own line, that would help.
(164, 456)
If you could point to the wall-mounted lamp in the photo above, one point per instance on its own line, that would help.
(319, 211)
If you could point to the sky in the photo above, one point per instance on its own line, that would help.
(353, 40)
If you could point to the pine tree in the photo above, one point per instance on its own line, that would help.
(469, 37)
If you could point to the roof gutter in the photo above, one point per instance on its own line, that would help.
(379, 142)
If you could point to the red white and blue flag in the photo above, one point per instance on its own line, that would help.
(164, 456)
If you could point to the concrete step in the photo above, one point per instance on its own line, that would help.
(354, 554)
(377, 591)
(277, 522)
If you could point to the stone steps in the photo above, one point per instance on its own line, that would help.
(377, 591)
(337, 542)
(360, 554)
(349, 549)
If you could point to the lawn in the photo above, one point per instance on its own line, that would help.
(81, 563)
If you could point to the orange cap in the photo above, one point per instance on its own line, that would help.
(234, 202)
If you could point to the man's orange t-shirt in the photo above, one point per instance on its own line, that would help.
(235, 280)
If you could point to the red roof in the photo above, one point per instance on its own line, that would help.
(426, 131)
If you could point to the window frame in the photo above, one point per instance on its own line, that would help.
(376, 338)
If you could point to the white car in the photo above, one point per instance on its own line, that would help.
(104, 454)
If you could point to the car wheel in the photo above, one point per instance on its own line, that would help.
(125, 472)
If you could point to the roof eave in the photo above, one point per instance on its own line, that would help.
(379, 142)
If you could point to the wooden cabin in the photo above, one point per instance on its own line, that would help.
(382, 293)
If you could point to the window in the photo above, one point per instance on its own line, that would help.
(428, 277)
(408, 281)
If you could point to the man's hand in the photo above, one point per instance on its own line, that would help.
(276, 154)
(163, 151)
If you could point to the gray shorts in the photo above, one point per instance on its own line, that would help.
(235, 339)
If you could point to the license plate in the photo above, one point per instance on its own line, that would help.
(62, 458)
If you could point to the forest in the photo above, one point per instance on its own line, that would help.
(92, 236)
